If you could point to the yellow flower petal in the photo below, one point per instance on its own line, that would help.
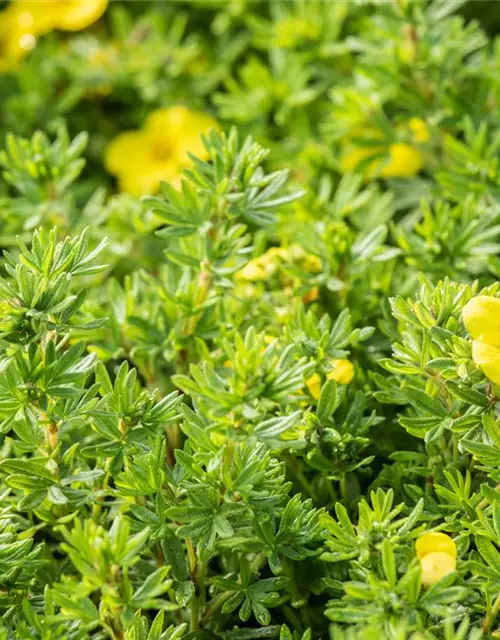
(435, 541)
(17, 36)
(487, 358)
(127, 151)
(181, 129)
(404, 161)
(75, 15)
(314, 385)
(343, 371)
(481, 316)
(70, 15)
(435, 566)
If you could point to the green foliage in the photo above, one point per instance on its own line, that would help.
(186, 452)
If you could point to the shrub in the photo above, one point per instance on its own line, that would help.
(249, 329)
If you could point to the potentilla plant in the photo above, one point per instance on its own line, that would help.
(249, 321)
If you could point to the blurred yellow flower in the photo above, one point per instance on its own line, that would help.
(24, 20)
(481, 316)
(67, 15)
(141, 159)
(343, 371)
(17, 36)
(396, 160)
(401, 161)
(437, 553)
(262, 267)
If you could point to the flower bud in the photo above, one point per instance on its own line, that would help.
(343, 371)
(435, 541)
(487, 358)
(438, 556)
(435, 566)
(314, 385)
(481, 316)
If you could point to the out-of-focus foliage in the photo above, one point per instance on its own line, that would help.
(249, 320)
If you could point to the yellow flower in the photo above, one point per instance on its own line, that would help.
(481, 317)
(262, 267)
(314, 385)
(397, 160)
(435, 541)
(343, 371)
(401, 161)
(487, 358)
(24, 20)
(437, 553)
(159, 151)
(68, 15)
(435, 566)
(405, 161)
(17, 36)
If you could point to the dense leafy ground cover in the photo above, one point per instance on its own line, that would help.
(249, 320)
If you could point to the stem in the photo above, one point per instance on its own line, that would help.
(492, 614)
(97, 508)
(52, 436)
(195, 614)
(217, 602)
(299, 475)
(205, 281)
(198, 571)
(343, 487)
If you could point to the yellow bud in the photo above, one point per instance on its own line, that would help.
(314, 385)
(435, 541)
(252, 272)
(481, 317)
(312, 264)
(419, 129)
(435, 566)
(487, 358)
(343, 371)
(311, 295)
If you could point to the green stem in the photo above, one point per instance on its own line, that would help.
(492, 614)
(217, 602)
(343, 487)
(198, 570)
(299, 475)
